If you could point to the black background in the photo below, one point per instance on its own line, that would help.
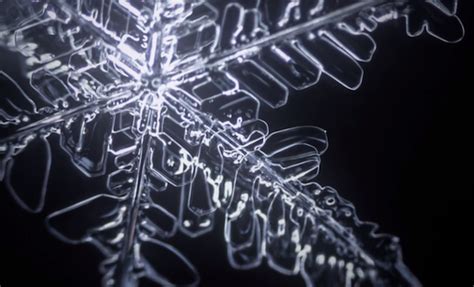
(400, 150)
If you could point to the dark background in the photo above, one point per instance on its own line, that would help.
(400, 150)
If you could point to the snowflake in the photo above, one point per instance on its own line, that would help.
(162, 99)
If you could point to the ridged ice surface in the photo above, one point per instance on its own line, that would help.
(162, 98)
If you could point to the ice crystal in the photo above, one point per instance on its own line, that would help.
(162, 98)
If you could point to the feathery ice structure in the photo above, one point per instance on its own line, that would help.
(161, 98)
